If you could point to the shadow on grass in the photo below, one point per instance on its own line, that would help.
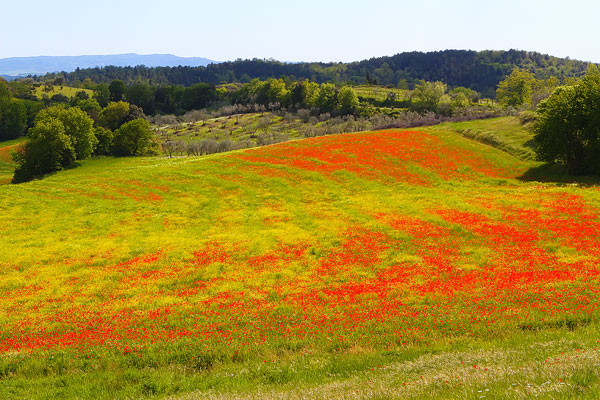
(76, 164)
(557, 174)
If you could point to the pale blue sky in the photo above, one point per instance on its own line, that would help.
(308, 30)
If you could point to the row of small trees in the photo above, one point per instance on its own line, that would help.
(278, 93)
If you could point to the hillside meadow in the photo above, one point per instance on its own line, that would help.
(52, 90)
(6, 163)
(389, 264)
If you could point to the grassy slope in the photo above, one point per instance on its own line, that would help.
(116, 235)
(64, 90)
(6, 164)
(505, 133)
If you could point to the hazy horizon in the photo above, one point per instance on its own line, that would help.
(309, 31)
(291, 61)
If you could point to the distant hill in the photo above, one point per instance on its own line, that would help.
(45, 64)
(478, 70)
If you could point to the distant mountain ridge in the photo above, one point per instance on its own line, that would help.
(19, 66)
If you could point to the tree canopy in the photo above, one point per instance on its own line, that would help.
(58, 138)
(427, 95)
(567, 130)
(13, 114)
(516, 89)
(480, 71)
(133, 138)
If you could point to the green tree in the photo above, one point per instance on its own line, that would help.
(20, 89)
(117, 90)
(114, 115)
(471, 95)
(516, 89)
(13, 114)
(567, 129)
(135, 112)
(105, 141)
(5, 93)
(277, 91)
(102, 94)
(133, 138)
(312, 95)
(198, 96)
(327, 99)
(427, 95)
(77, 125)
(87, 83)
(80, 95)
(91, 107)
(13, 119)
(542, 89)
(48, 149)
(142, 95)
(347, 101)
(297, 96)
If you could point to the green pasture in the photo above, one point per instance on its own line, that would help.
(67, 91)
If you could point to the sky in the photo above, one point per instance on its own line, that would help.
(301, 30)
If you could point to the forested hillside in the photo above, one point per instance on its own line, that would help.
(480, 71)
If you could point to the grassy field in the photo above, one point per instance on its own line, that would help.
(388, 264)
(64, 90)
(505, 133)
(6, 163)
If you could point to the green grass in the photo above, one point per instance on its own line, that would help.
(505, 133)
(64, 90)
(6, 164)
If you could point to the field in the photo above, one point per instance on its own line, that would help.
(387, 264)
(505, 133)
(64, 90)
(6, 163)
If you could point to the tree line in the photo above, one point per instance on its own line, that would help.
(480, 71)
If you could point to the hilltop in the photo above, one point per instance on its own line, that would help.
(23, 66)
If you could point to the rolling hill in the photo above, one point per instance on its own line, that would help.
(387, 264)
(21, 66)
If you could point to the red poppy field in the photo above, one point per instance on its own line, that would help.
(342, 260)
